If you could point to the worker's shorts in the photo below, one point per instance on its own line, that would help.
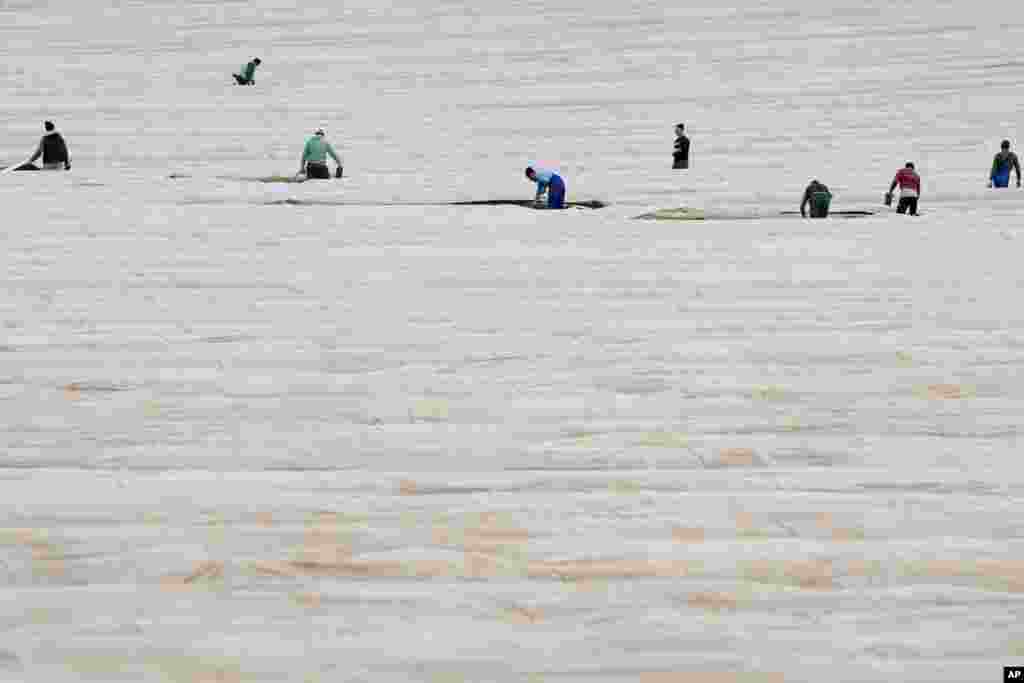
(556, 192)
(318, 171)
(907, 205)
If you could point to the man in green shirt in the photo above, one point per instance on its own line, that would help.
(818, 196)
(247, 77)
(314, 157)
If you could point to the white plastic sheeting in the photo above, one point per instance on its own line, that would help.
(318, 443)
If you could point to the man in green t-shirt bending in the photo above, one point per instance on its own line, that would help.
(314, 157)
(818, 196)
(248, 75)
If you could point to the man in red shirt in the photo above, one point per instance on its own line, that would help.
(910, 189)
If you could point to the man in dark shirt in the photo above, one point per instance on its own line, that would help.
(818, 196)
(52, 149)
(681, 155)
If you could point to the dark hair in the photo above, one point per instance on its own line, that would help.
(48, 125)
(1006, 144)
(528, 170)
(910, 164)
(256, 60)
(679, 125)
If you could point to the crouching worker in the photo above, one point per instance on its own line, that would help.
(314, 157)
(550, 182)
(909, 183)
(52, 149)
(819, 198)
(1002, 164)
(248, 75)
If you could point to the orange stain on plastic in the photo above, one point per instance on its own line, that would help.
(684, 534)
(737, 457)
(712, 601)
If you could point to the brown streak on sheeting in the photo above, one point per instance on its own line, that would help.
(310, 600)
(479, 566)
(210, 571)
(367, 568)
(481, 539)
(948, 391)
(812, 574)
(601, 569)
(684, 534)
(206, 570)
(1010, 572)
(738, 457)
(526, 615)
(712, 601)
(744, 521)
(841, 535)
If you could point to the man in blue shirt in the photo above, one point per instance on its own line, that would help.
(550, 182)
(1002, 164)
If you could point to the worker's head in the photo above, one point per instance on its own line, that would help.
(910, 165)
(48, 125)
(530, 173)
(1006, 144)
(320, 132)
(680, 128)
(256, 60)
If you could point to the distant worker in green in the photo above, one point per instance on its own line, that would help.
(819, 198)
(1004, 161)
(248, 75)
(314, 157)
